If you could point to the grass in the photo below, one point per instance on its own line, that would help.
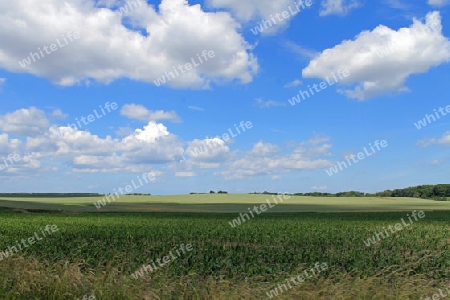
(224, 203)
(95, 254)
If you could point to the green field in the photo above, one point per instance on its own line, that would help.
(96, 252)
(225, 203)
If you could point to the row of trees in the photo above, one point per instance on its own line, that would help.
(211, 192)
(49, 195)
(263, 193)
(59, 195)
(319, 194)
(340, 194)
(436, 192)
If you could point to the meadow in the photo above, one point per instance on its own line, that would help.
(95, 253)
(222, 203)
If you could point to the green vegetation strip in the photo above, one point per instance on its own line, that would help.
(224, 203)
(265, 245)
(270, 247)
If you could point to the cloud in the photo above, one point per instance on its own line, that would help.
(93, 186)
(438, 2)
(25, 122)
(23, 162)
(86, 152)
(268, 159)
(246, 11)
(321, 187)
(2, 82)
(209, 153)
(58, 114)
(151, 148)
(250, 10)
(292, 84)
(266, 104)
(211, 150)
(196, 108)
(337, 7)
(185, 174)
(124, 131)
(398, 4)
(277, 130)
(302, 52)
(139, 112)
(380, 61)
(142, 45)
(444, 140)
(9, 146)
(426, 142)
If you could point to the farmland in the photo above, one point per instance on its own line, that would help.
(223, 203)
(95, 252)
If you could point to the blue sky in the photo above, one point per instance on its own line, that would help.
(395, 56)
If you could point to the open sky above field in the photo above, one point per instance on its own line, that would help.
(85, 107)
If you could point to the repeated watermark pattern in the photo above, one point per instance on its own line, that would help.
(146, 177)
(340, 166)
(322, 85)
(284, 15)
(129, 6)
(12, 159)
(49, 229)
(165, 260)
(438, 296)
(53, 47)
(168, 76)
(314, 272)
(86, 120)
(263, 207)
(393, 229)
(432, 118)
(217, 141)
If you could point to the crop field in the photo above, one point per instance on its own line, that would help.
(223, 203)
(102, 254)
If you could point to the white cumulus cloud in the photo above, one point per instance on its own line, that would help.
(380, 61)
(140, 112)
(438, 2)
(142, 45)
(337, 7)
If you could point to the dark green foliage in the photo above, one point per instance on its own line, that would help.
(49, 195)
(266, 246)
(437, 192)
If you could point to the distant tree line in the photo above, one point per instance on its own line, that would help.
(264, 193)
(340, 194)
(436, 192)
(48, 195)
(318, 194)
(138, 194)
(211, 192)
(59, 195)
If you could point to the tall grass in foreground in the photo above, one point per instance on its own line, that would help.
(95, 254)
